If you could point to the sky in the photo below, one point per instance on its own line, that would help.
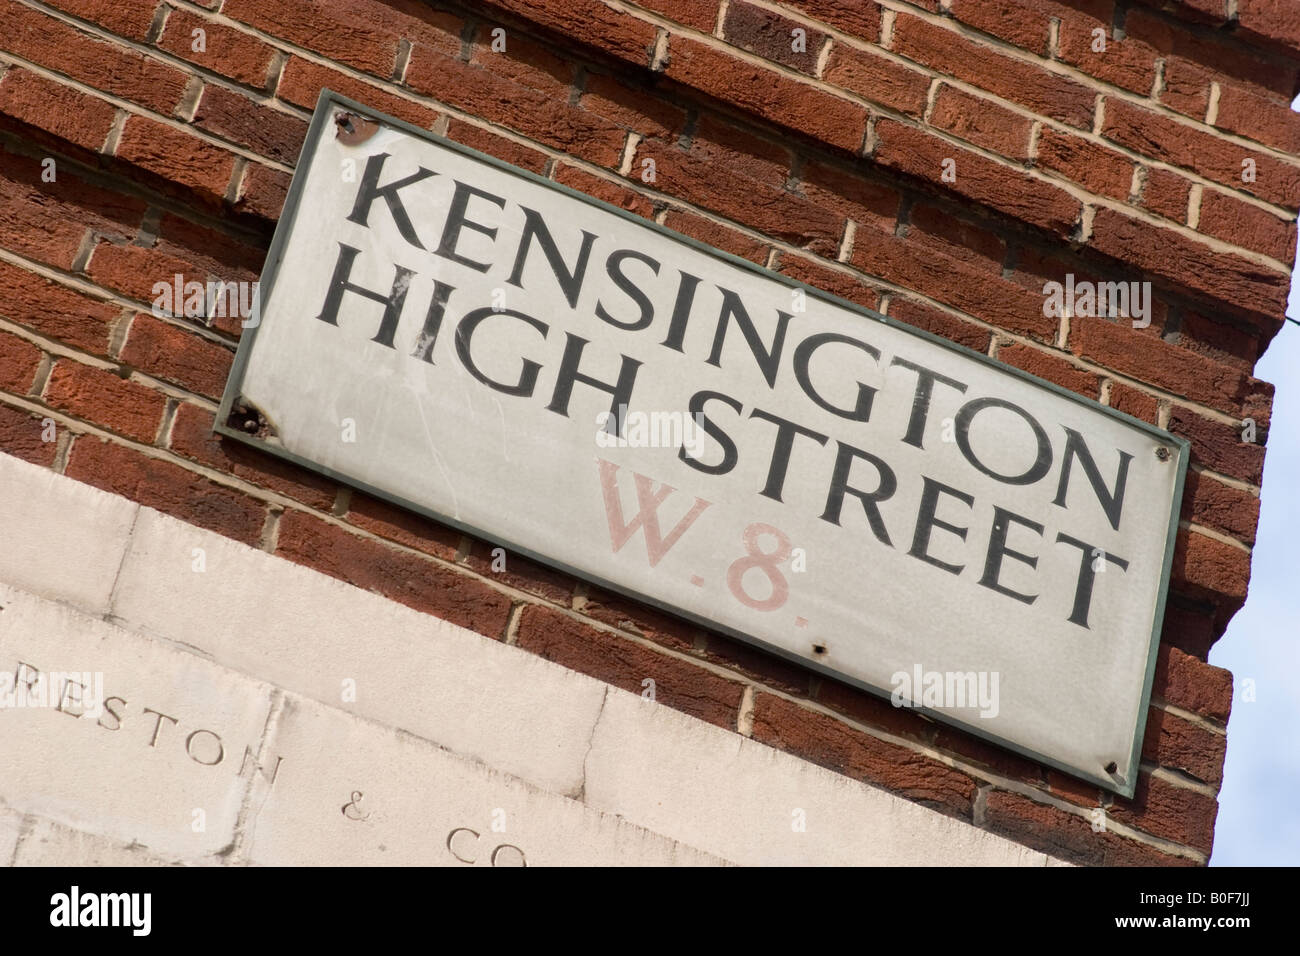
(1259, 805)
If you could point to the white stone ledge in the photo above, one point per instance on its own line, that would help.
(448, 728)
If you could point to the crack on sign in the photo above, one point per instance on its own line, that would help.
(352, 129)
(251, 420)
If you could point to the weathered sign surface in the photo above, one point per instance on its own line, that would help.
(577, 384)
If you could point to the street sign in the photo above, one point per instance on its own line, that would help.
(583, 386)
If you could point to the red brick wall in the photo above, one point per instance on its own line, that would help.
(823, 163)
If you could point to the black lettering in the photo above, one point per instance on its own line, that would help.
(1042, 461)
(621, 390)
(529, 370)
(1002, 521)
(926, 521)
(613, 266)
(393, 301)
(870, 500)
(1112, 502)
(370, 190)
(925, 379)
(781, 448)
(861, 410)
(570, 281)
(456, 221)
(1087, 576)
(768, 359)
(729, 453)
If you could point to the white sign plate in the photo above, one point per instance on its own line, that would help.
(460, 337)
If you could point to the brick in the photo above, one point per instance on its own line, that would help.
(723, 143)
(1068, 836)
(21, 435)
(1248, 226)
(772, 36)
(1076, 791)
(1275, 20)
(700, 14)
(867, 708)
(632, 108)
(1010, 20)
(591, 22)
(119, 70)
(302, 80)
(262, 192)
(982, 180)
(1097, 168)
(877, 78)
(126, 18)
(756, 664)
(61, 111)
(981, 122)
(1222, 337)
(403, 526)
(955, 283)
(1185, 262)
(55, 311)
(1051, 366)
(494, 144)
(1219, 446)
(1254, 116)
(768, 209)
(1166, 810)
(346, 33)
(176, 355)
(836, 282)
(47, 221)
(854, 17)
(1135, 402)
(226, 256)
(940, 323)
(633, 616)
(177, 157)
(19, 360)
(519, 572)
(803, 108)
(269, 132)
(133, 270)
(535, 110)
(409, 579)
(167, 487)
(930, 228)
(524, 62)
(1185, 681)
(1165, 193)
(1181, 144)
(1186, 87)
(1174, 742)
(850, 195)
(1177, 370)
(681, 685)
(226, 50)
(717, 235)
(192, 437)
(1128, 63)
(1226, 508)
(1190, 53)
(1189, 625)
(822, 739)
(947, 51)
(577, 178)
(997, 759)
(1207, 567)
(99, 396)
